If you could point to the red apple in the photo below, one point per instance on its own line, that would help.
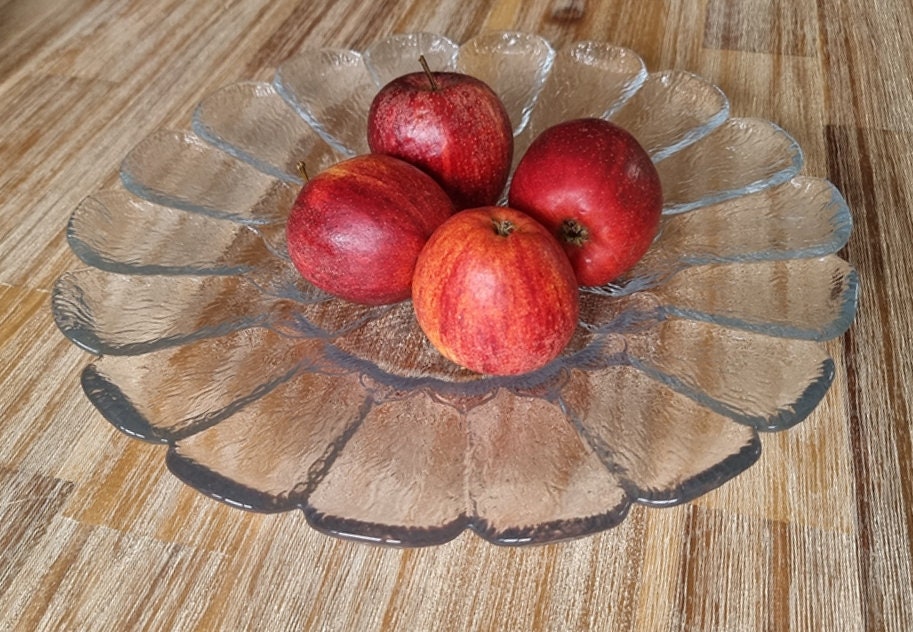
(494, 292)
(356, 228)
(592, 184)
(449, 124)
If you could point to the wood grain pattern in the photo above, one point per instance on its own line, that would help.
(95, 534)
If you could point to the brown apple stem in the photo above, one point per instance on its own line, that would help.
(502, 227)
(573, 232)
(428, 73)
(301, 168)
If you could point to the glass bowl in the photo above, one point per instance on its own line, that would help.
(273, 396)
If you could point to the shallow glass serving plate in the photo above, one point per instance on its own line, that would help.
(273, 396)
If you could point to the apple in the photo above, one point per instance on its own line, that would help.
(356, 228)
(592, 184)
(451, 125)
(494, 292)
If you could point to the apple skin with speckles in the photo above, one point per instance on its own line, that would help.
(356, 228)
(456, 129)
(595, 188)
(494, 292)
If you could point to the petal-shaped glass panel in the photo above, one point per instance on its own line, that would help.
(332, 91)
(399, 54)
(400, 478)
(302, 425)
(587, 79)
(765, 382)
(805, 217)
(514, 65)
(115, 231)
(252, 122)
(531, 476)
(179, 169)
(665, 447)
(741, 156)
(814, 299)
(129, 314)
(671, 110)
(169, 394)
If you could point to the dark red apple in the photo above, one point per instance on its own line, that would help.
(449, 124)
(593, 185)
(356, 228)
(494, 292)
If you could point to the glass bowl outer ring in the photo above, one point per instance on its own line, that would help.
(343, 527)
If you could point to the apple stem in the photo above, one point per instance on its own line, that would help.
(503, 227)
(428, 73)
(302, 170)
(573, 232)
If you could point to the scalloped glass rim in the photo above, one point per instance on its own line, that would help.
(684, 122)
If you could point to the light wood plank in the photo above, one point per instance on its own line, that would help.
(95, 533)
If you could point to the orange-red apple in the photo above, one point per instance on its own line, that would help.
(494, 292)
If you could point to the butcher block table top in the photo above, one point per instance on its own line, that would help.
(96, 534)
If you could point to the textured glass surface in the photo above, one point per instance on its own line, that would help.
(252, 122)
(514, 65)
(588, 79)
(399, 55)
(271, 395)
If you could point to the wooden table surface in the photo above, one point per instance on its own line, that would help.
(95, 534)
